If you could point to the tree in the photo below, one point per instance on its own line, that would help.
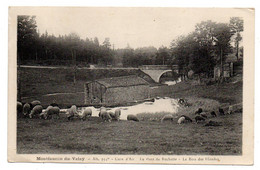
(237, 26)
(175, 76)
(163, 56)
(96, 42)
(203, 33)
(128, 56)
(183, 49)
(74, 40)
(106, 43)
(26, 37)
(222, 37)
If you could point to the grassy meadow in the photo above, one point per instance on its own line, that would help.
(58, 136)
(149, 136)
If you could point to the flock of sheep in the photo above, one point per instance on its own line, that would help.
(201, 116)
(34, 109)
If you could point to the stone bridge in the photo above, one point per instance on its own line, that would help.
(156, 71)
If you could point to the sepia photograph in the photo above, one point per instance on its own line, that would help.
(131, 85)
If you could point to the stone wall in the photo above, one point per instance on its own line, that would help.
(126, 94)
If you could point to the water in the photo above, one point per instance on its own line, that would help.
(169, 83)
(168, 105)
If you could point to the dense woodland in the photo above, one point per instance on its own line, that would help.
(207, 46)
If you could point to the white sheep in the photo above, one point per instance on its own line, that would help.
(105, 116)
(117, 114)
(45, 113)
(37, 110)
(85, 113)
(112, 114)
(50, 111)
(184, 119)
(167, 117)
(71, 112)
(181, 120)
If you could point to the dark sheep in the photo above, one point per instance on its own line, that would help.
(36, 111)
(235, 108)
(203, 114)
(34, 103)
(213, 123)
(213, 114)
(54, 104)
(181, 101)
(221, 111)
(132, 117)
(19, 109)
(199, 119)
(26, 109)
(198, 111)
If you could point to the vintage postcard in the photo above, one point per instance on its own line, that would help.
(131, 85)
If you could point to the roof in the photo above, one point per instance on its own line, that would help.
(123, 81)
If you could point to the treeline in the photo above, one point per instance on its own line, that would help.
(201, 50)
(144, 56)
(33, 46)
(71, 48)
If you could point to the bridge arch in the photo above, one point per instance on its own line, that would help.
(156, 71)
(160, 75)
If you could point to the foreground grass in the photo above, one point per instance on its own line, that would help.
(124, 137)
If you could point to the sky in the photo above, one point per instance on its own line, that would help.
(138, 27)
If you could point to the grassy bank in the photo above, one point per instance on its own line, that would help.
(124, 137)
(228, 92)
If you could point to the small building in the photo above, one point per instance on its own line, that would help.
(227, 70)
(116, 90)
